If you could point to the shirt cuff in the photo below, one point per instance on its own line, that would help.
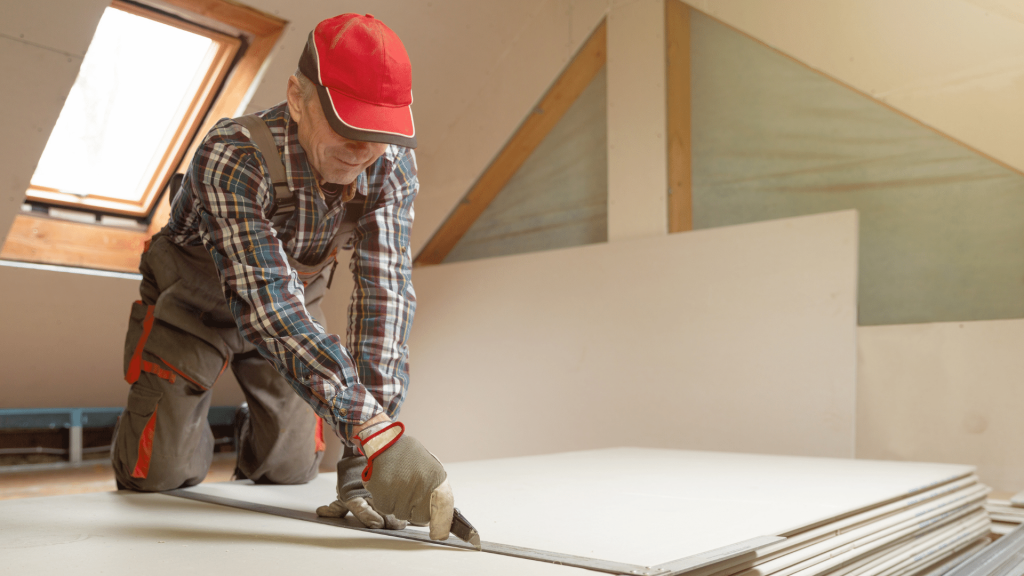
(350, 407)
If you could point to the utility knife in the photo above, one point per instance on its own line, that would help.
(464, 530)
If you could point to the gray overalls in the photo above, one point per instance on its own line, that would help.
(182, 336)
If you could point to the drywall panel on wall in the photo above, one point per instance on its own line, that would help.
(559, 196)
(737, 339)
(941, 225)
(62, 342)
(944, 392)
(959, 70)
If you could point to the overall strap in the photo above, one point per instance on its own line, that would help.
(284, 201)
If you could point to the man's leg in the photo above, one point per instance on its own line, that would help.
(163, 438)
(280, 445)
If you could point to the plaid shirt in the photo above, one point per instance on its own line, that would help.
(222, 205)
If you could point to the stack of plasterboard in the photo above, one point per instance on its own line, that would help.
(1006, 514)
(911, 535)
(669, 513)
(1004, 557)
(633, 512)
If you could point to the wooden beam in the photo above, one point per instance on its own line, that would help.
(677, 83)
(49, 241)
(558, 99)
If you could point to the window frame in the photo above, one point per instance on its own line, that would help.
(226, 47)
(48, 240)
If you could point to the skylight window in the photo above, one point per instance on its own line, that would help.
(127, 119)
(156, 77)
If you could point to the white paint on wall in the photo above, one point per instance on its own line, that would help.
(944, 392)
(738, 339)
(954, 65)
(637, 158)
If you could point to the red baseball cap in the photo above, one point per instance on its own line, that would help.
(363, 78)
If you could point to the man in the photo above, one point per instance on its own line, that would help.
(237, 275)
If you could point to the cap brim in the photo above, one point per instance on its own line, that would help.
(357, 120)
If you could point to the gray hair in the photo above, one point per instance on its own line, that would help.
(306, 87)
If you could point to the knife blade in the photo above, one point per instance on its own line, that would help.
(464, 530)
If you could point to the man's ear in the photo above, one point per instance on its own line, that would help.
(294, 95)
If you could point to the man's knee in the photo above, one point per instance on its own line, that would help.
(298, 468)
(154, 448)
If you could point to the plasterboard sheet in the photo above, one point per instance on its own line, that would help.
(874, 516)
(916, 519)
(944, 392)
(920, 550)
(958, 557)
(125, 534)
(891, 545)
(740, 338)
(645, 506)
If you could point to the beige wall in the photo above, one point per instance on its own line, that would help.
(955, 65)
(944, 392)
(739, 338)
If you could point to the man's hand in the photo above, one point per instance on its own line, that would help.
(354, 498)
(405, 479)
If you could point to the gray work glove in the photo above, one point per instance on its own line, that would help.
(405, 479)
(353, 496)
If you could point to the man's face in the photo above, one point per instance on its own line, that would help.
(334, 158)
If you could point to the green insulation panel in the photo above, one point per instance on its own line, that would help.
(559, 196)
(941, 226)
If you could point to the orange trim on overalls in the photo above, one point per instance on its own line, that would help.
(183, 375)
(145, 448)
(319, 436)
(152, 368)
(135, 365)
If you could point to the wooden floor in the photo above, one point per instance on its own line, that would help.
(90, 477)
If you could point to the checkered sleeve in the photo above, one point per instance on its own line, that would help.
(383, 300)
(263, 292)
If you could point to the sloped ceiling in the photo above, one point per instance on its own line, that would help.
(954, 65)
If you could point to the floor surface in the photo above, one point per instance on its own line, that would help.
(90, 477)
(627, 505)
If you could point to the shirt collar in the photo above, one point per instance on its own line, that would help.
(297, 169)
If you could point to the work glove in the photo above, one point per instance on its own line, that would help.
(405, 479)
(355, 498)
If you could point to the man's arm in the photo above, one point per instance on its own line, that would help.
(383, 300)
(262, 291)
(402, 477)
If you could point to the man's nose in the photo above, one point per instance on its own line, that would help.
(360, 150)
